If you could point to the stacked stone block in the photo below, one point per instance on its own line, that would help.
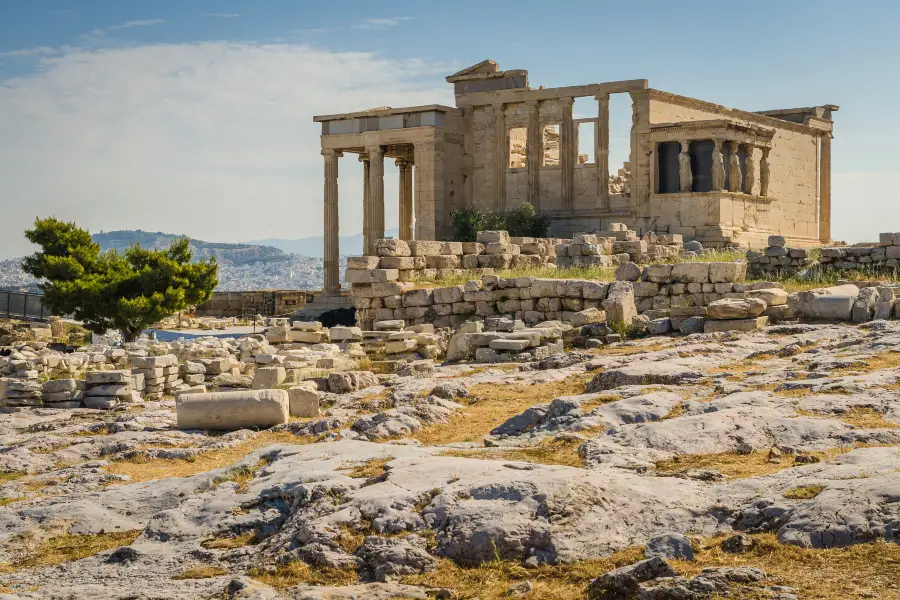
(506, 340)
(395, 340)
(63, 393)
(107, 389)
(778, 258)
(398, 260)
(21, 391)
(160, 374)
(617, 245)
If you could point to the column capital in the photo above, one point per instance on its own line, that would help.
(376, 150)
(602, 97)
(331, 153)
(363, 157)
(567, 100)
(402, 162)
(532, 104)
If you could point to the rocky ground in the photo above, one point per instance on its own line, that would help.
(760, 465)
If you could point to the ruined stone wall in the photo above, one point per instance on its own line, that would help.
(266, 302)
(661, 288)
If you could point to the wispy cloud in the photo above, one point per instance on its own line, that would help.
(182, 137)
(222, 15)
(382, 22)
(29, 52)
(138, 23)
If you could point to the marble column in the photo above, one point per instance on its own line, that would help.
(404, 169)
(601, 149)
(764, 172)
(750, 169)
(368, 242)
(685, 176)
(501, 157)
(376, 192)
(734, 168)
(567, 154)
(718, 168)
(429, 190)
(825, 189)
(534, 153)
(332, 229)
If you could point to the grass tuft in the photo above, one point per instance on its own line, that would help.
(298, 572)
(65, 548)
(201, 573)
(231, 542)
(806, 492)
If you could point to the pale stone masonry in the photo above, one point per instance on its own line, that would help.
(709, 173)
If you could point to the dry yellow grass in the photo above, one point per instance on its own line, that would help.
(229, 543)
(7, 476)
(373, 468)
(298, 572)
(97, 431)
(201, 573)
(867, 418)
(805, 492)
(548, 452)
(876, 362)
(490, 581)
(64, 548)
(855, 572)
(242, 475)
(738, 466)
(493, 403)
(145, 469)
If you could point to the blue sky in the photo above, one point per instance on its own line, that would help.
(195, 116)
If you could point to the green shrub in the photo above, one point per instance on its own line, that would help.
(521, 221)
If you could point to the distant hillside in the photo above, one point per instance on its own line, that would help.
(350, 245)
(227, 254)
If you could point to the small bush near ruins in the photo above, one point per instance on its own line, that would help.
(107, 290)
(521, 221)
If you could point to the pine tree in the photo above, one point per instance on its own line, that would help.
(107, 290)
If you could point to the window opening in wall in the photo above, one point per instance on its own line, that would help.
(584, 135)
(551, 145)
(518, 147)
(585, 109)
(619, 133)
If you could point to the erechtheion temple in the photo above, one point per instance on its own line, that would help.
(718, 175)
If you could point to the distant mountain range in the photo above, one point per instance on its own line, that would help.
(227, 254)
(350, 245)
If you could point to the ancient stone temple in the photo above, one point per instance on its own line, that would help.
(710, 173)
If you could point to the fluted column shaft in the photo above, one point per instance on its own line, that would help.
(368, 242)
(825, 190)
(567, 154)
(501, 159)
(376, 192)
(601, 149)
(332, 229)
(534, 153)
(404, 169)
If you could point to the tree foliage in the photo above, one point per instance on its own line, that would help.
(107, 290)
(521, 221)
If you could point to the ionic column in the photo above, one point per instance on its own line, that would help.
(332, 229)
(376, 192)
(685, 175)
(749, 170)
(404, 169)
(825, 190)
(734, 168)
(534, 152)
(567, 155)
(718, 168)
(368, 242)
(601, 149)
(764, 172)
(501, 159)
